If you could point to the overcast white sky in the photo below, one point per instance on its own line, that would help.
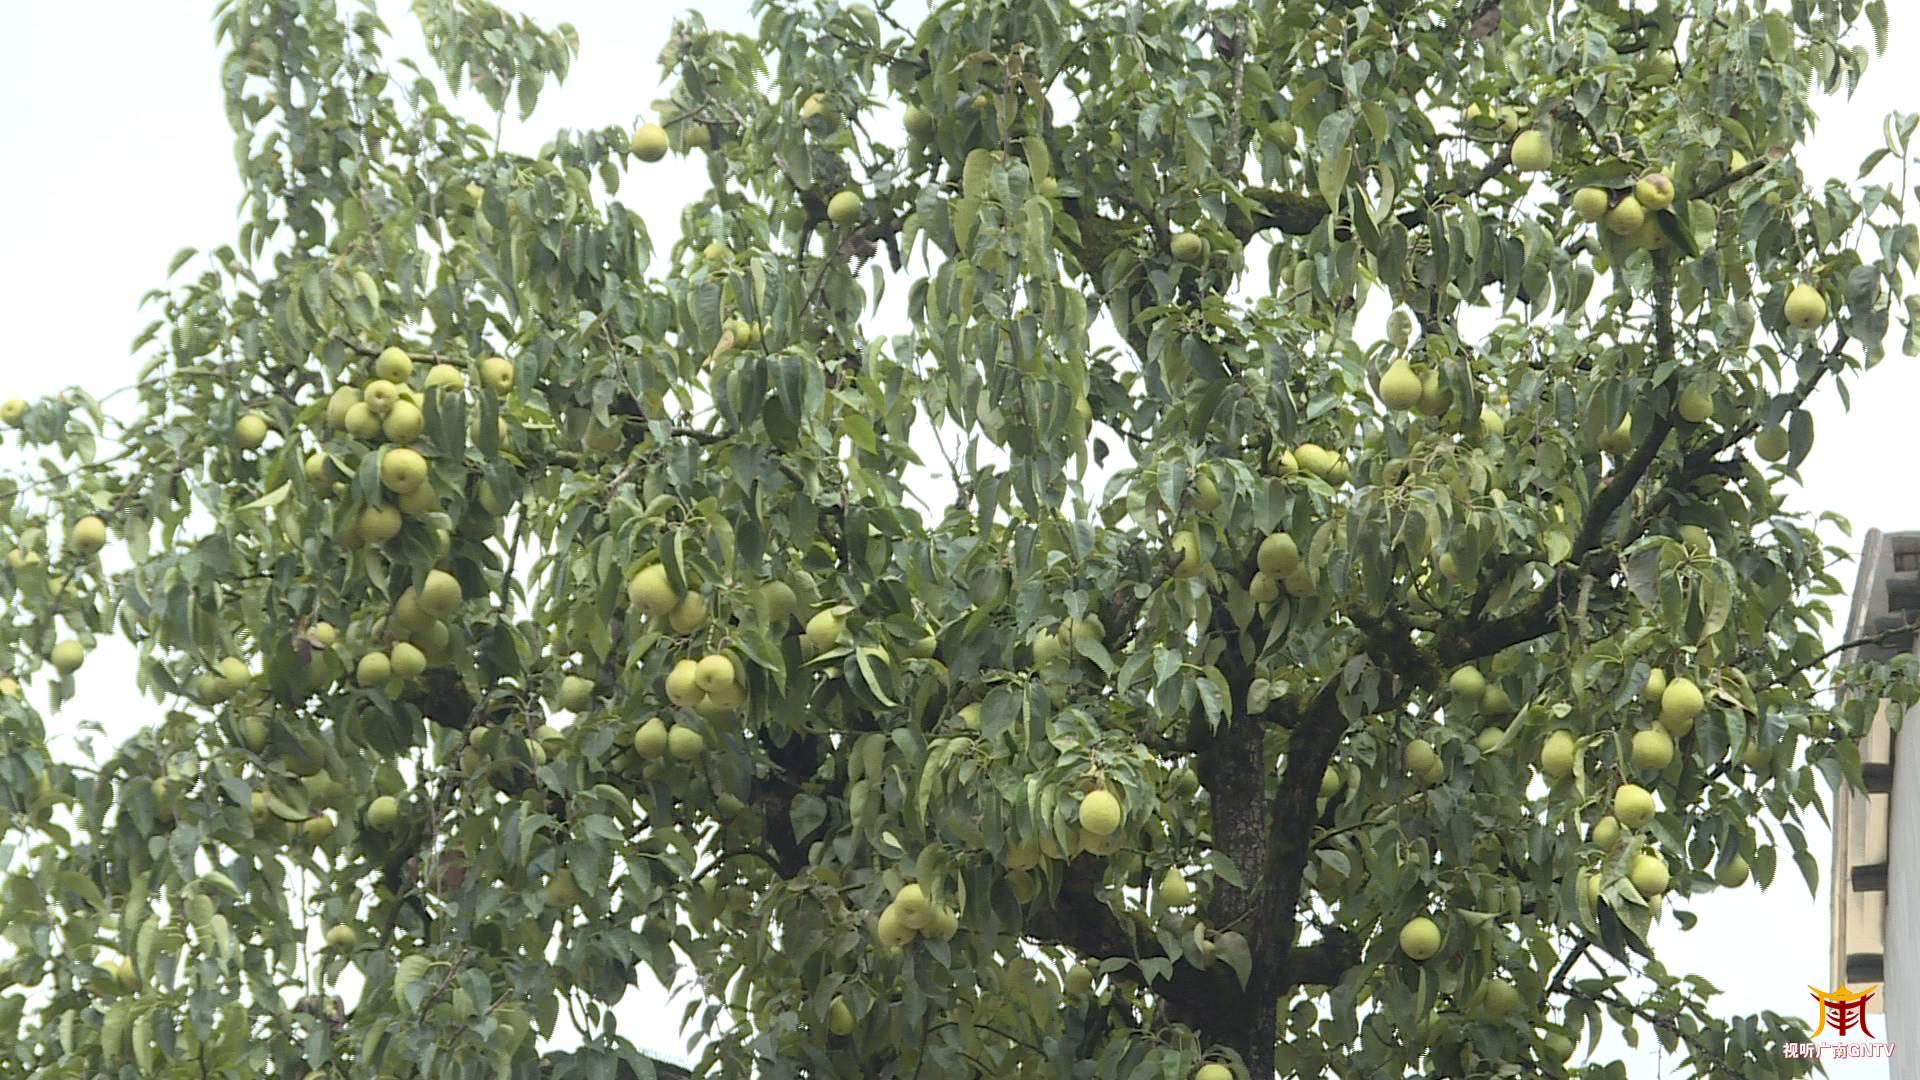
(119, 154)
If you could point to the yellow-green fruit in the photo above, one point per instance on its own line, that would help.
(13, 412)
(379, 397)
(823, 630)
(1048, 187)
(421, 500)
(1278, 555)
(576, 693)
(1468, 683)
(891, 932)
(1189, 247)
(342, 400)
(67, 656)
(1331, 782)
(1649, 875)
(1606, 832)
(234, 672)
(650, 591)
(1620, 439)
(497, 372)
(840, 1017)
(1188, 547)
(1048, 648)
(1655, 191)
(1733, 875)
(1420, 938)
(1680, 703)
(440, 594)
(1174, 889)
(125, 977)
(1772, 443)
(1806, 308)
(402, 469)
(1495, 701)
(915, 911)
(716, 252)
(713, 673)
(1213, 1070)
(814, 105)
(683, 686)
(1626, 217)
(1556, 755)
(404, 423)
(362, 422)
(374, 669)
(1420, 758)
(919, 123)
(250, 431)
(1590, 203)
(1656, 686)
(407, 660)
(383, 813)
(317, 828)
(393, 364)
(844, 208)
(446, 377)
(1633, 805)
(1489, 738)
(341, 937)
(1400, 386)
(1532, 152)
(1263, 587)
(1497, 1000)
(1100, 812)
(1557, 1046)
(781, 602)
(1206, 494)
(1435, 398)
(88, 535)
(689, 616)
(650, 142)
(684, 743)
(1652, 749)
(378, 524)
(1696, 405)
(650, 739)
(1079, 979)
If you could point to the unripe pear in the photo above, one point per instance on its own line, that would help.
(823, 630)
(440, 594)
(1489, 738)
(684, 743)
(250, 431)
(404, 424)
(1495, 702)
(378, 524)
(1079, 979)
(407, 660)
(713, 673)
(1532, 152)
(840, 1017)
(1100, 812)
(446, 377)
(374, 669)
(317, 828)
(1626, 217)
(1188, 547)
(1213, 1070)
(383, 813)
(1656, 686)
(379, 397)
(1649, 875)
(497, 372)
(1468, 683)
(1420, 758)
(1655, 191)
(13, 412)
(891, 931)
(1263, 587)
(1805, 307)
(1652, 749)
(1680, 703)
(651, 739)
(1606, 832)
(342, 399)
(683, 685)
(575, 694)
(1772, 443)
(919, 123)
(87, 536)
(341, 937)
(1189, 247)
(651, 592)
(689, 616)
(1632, 805)
(1278, 555)
(1400, 386)
(67, 656)
(1696, 404)
(845, 208)
(393, 364)
(1173, 888)
(1420, 938)
(649, 142)
(916, 913)
(1556, 755)
(1590, 203)
(1733, 874)
(402, 469)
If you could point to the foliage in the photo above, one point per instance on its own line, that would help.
(1141, 251)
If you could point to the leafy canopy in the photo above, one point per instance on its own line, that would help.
(996, 597)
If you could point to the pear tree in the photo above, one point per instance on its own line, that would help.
(1221, 540)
